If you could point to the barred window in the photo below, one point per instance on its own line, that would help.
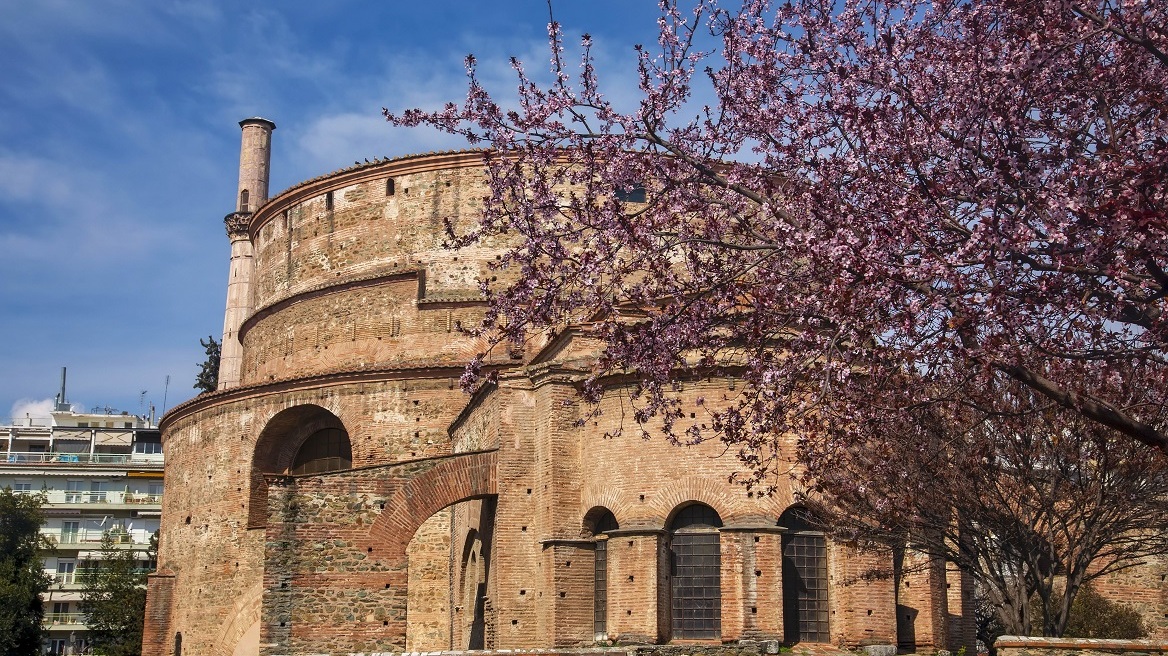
(325, 450)
(696, 608)
(805, 603)
(604, 524)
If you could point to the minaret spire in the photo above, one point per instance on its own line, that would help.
(255, 156)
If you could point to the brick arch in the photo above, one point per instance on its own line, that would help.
(689, 490)
(275, 449)
(605, 496)
(446, 481)
(245, 613)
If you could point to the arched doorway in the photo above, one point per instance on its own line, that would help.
(303, 439)
(474, 591)
(805, 602)
(696, 599)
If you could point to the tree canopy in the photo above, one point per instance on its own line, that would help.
(1034, 505)
(208, 378)
(114, 599)
(22, 578)
(884, 206)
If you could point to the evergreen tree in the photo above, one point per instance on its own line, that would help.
(114, 600)
(22, 579)
(208, 378)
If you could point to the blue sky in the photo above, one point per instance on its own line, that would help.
(119, 145)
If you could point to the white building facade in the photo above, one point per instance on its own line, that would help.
(99, 472)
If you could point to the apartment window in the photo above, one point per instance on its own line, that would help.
(66, 570)
(73, 491)
(57, 646)
(70, 531)
(155, 489)
(148, 447)
(696, 608)
(634, 194)
(22, 487)
(128, 424)
(97, 491)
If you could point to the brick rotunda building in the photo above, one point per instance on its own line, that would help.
(339, 493)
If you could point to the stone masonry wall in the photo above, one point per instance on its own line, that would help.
(357, 327)
(554, 472)
(1146, 589)
(428, 568)
(302, 243)
(1023, 646)
(217, 561)
(332, 582)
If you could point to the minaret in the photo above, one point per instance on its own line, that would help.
(255, 156)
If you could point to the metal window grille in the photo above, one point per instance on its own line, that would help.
(606, 523)
(805, 607)
(326, 450)
(600, 590)
(696, 607)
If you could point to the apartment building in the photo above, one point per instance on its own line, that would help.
(100, 472)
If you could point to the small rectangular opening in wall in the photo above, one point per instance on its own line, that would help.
(328, 200)
(634, 194)
(389, 187)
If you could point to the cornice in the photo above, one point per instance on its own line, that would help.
(332, 378)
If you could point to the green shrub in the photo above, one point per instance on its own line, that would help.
(1095, 616)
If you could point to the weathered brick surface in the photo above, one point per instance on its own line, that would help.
(1146, 589)
(464, 522)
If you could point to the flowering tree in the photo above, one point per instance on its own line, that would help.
(888, 205)
(1033, 504)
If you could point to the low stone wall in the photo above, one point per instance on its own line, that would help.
(743, 648)
(1022, 646)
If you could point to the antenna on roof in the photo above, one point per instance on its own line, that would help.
(164, 390)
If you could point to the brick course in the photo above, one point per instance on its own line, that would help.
(463, 523)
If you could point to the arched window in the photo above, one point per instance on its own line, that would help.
(696, 607)
(325, 450)
(605, 523)
(243, 201)
(805, 608)
(178, 644)
(389, 187)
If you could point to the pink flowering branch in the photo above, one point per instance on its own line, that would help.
(888, 205)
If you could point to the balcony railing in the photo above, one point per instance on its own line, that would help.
(89, 539)
(109, 497)
(64, 618)
(64, 578)
(135, 459)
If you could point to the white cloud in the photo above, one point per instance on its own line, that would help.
(73, 205)
(32, 412)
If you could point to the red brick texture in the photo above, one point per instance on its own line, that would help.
(464, 522)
